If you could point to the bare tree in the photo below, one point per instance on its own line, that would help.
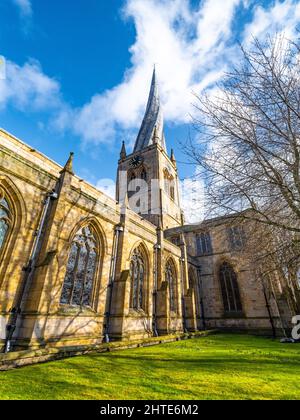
(249, 152)
(249, 146)
(275, 256)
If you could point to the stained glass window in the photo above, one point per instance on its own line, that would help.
(230, 289)
(5, 219)
(81, 269)
(170, 275)
(137, 275)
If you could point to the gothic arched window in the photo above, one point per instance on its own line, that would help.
(143, 175)
(81, 269)
(5, 219)
(132, 185)
(230, 289)
(167, 181)
(204, 245)
(172, 190)
(132, 177)
(170, 276)
(169, 184)
(137, 275)
(194, 284)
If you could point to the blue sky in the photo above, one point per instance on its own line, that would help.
(78, 72)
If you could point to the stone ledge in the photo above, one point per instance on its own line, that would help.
(26, 358)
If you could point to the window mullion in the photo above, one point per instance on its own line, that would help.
(233, 292)
(74, 274)
(85, 275)
(226, 289)
(138, 275)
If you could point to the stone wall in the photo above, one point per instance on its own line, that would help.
(27, 176)
(205, 270)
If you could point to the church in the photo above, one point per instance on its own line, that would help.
(78, 268)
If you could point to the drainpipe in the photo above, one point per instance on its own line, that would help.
(201, 298)
(28, 272)
(112, 277)
(182, 260)
(156, 249)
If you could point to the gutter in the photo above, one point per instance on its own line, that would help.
(182, 260)
(29, 270)
(156, 249)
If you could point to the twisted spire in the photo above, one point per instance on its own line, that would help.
(152, 129)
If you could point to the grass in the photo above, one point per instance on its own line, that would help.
(215, 367)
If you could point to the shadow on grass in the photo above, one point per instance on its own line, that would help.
(231, 368)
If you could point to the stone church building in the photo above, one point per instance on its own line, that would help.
(79, 268)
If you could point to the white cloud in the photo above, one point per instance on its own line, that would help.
(191, 46)
(281, 17)
(192, 193)
(108, 186)
(189, 49)
(24, 6)
(29, 89)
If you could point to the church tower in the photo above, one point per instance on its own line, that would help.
(148, 176)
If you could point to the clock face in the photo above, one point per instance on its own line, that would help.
(136, 161)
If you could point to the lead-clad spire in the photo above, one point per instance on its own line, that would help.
(152, 129)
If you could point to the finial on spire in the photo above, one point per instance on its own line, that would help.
(69, 165)
(123, 153)
(173, 159)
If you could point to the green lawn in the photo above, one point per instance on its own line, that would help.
(215, 367)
